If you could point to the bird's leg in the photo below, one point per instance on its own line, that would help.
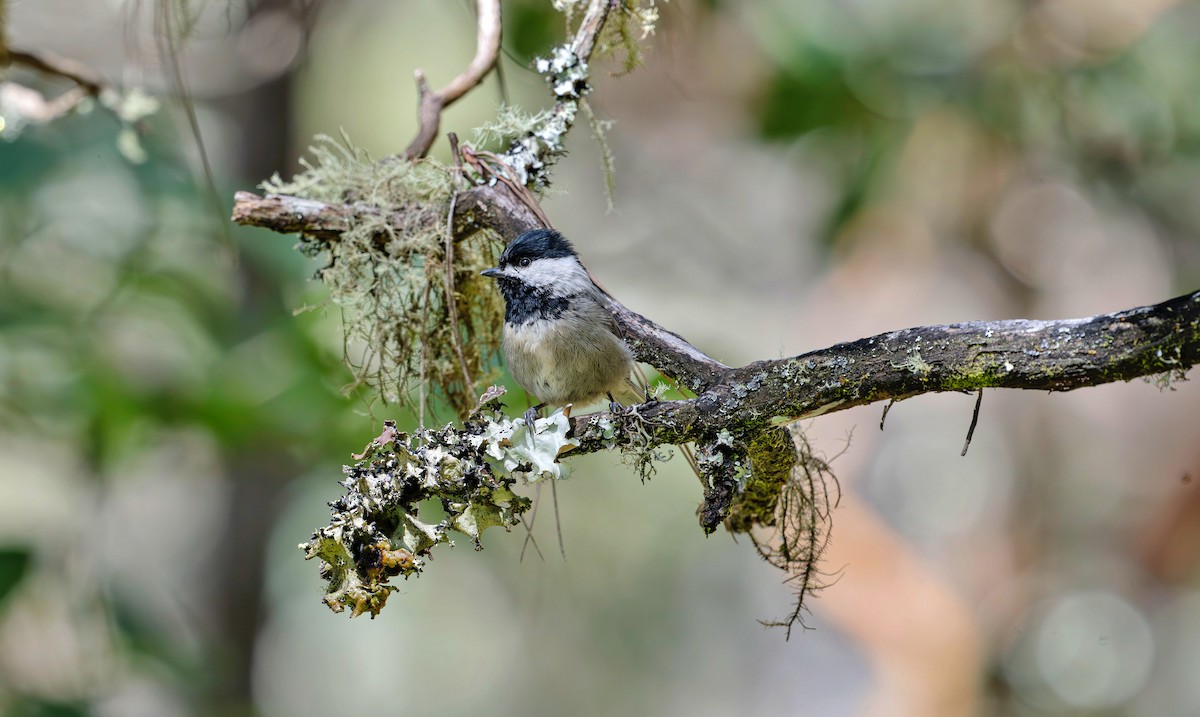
(613, 406)
(531, 414)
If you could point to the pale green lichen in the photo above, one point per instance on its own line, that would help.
(511, 123)
(388, 274)
(914, 363)
(1178, 372)
(640, 451)
(608, 161)
(629, 23)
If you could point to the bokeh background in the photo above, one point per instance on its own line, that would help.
(790, 174)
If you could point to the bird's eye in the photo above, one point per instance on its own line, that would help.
(524, 261)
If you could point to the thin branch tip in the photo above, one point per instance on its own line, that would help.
(431, 104)
(974, 422)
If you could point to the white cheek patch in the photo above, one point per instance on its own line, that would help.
(562, 275)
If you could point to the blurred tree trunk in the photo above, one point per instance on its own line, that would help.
(257, 474)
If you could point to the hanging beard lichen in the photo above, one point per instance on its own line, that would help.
(389, 274)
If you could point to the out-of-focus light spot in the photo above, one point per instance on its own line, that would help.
(1173, 688)
(1093, 650)
(1072, 32)
(1032, 228)
(130, 146)
(270, 42)
(929, 492)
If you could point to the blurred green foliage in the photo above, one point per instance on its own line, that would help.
(14, 564)
(126, 318)
(1089, 96)
(123, 312)
(530, 27)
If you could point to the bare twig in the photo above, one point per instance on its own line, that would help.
(562, 546)
(455, 154)
(452, 301)
(487, 52)
(529, 539)
(451, 297)
(883, 418)
(63, 67)
(36, 108)
(491, 166)
(974, 422)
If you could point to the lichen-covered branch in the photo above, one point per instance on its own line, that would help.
(1044, 355)
(1160, 341)
(377, 530)
(759, 481)
(530, 157)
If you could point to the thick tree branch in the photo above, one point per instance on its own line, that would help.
(1043, 355)
(1048, 355)
(487, 52)
(293, 215)
(494, 208)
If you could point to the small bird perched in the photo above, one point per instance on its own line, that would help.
(560, 341)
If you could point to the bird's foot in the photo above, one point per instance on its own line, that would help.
(531, 414)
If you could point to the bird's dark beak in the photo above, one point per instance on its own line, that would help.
(491, 272)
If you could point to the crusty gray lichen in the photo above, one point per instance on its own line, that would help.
(531, 155)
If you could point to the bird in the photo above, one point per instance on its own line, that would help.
(560, 341)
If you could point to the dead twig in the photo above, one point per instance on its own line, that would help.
(974, 422)
(55, 66)
(451, 298)
(883, 418)
(33, 105)
(487, 52)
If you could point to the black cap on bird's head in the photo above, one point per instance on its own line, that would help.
(531, 246)
(537, 244)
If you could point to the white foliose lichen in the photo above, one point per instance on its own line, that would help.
(376, 530)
